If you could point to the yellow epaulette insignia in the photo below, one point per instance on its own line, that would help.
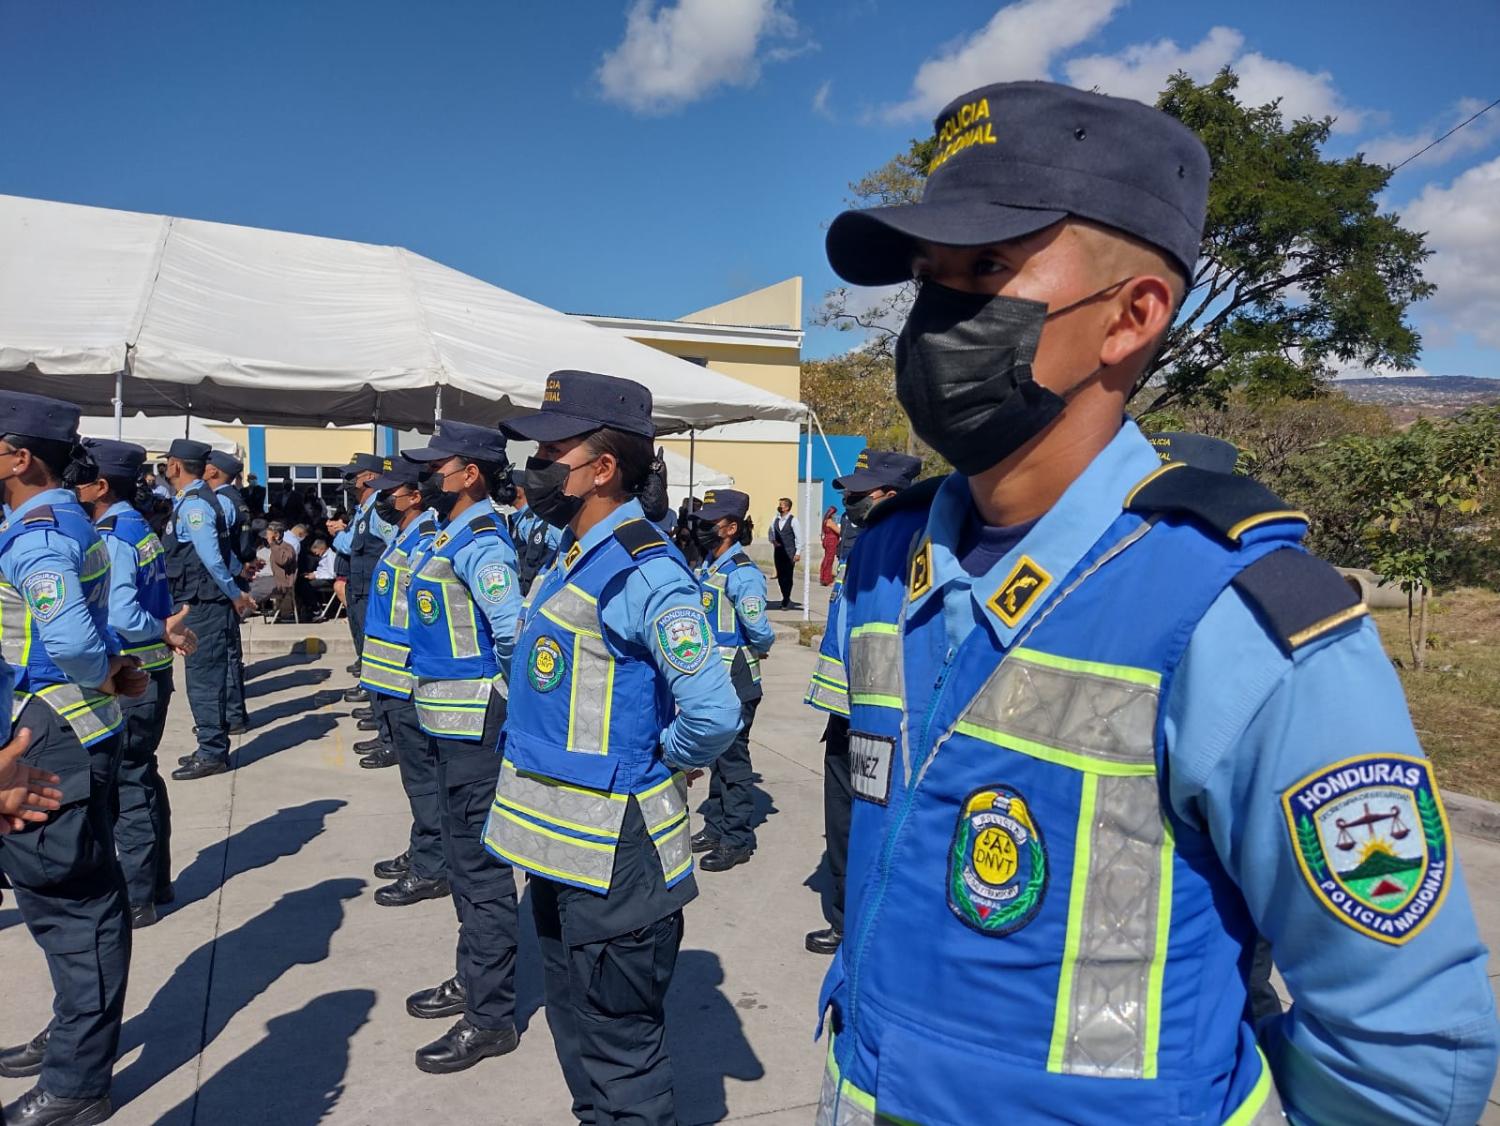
(1022, 587)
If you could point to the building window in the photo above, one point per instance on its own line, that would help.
(327, 480)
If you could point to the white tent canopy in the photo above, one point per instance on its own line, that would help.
(156, 434)
(702, 476)
(271, 327)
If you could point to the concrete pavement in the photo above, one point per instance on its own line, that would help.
(274, 990)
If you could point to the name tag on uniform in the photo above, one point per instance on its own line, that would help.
(870, 766)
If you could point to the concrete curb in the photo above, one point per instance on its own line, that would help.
(1474, 816)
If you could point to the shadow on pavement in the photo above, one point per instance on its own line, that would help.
(301, 678)
(282, 834)
(226, 974)
(283, 708)
(706, 1038)
(820, 880)
(266, 743)
(271, 664)
(293, 1076)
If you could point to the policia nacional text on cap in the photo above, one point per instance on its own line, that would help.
(1107, 717)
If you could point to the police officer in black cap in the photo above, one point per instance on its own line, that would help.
(362, 543)
(878, 476)
(221, 474)
(201, 569)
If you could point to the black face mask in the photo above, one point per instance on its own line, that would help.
(654, 496)
(706, 536)
(544, 482)
(963, 373)
(859, 510)
(385, 508)
(430, 490)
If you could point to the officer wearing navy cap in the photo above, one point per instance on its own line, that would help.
(462, 606)
(1108, 719)
(617, 690)
(142, 617)
(54, 577)
(361, 543)
(420, 872)
(878, 476)
(221, 473)
(201, 570)
(734, 596)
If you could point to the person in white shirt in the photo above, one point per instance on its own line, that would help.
(786, 538)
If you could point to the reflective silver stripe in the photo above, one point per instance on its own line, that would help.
(674, 850)
(547, 852)
(400, 564)
(91, 715)
(831, 670)
(148, 549)
(534, 822)
(723, 606)
(15, 626)
(591, 694)
(1100, 716)
(397, 681)
(386, 652)
(843, 1104)
(596, 812)
(453, 707)
(875, 665)
(458, 606)
(154, 655)
(823, 695)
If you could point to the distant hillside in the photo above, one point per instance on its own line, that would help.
(1412, 396)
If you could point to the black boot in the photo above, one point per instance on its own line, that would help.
(446, 1000)
(356, 695)
(25, 1060)
(368, 725)
(394, 868)
(380, 759)
(463, 1046)
(703, 841)
(37, 1108)
(197, 767)
(365, 712)
(825, 941)
(142, 915)
(365, 746)
(723, 858)
(411, 889)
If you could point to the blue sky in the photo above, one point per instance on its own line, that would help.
(656, 156)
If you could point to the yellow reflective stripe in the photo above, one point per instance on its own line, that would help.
(1076, 892)
(402, 688)
(533, 827)
(1056, 755)
(875, 699)
(656, 789)
(1159, 955)
(680, 869)
(95, 574)
(609, 704)
(1260, 518)
(1092, 668)
(665, 824)
(874, 627)
(1152, 476)
(551, 818)
(520, 860)
(429, 706)
(1245, 1113)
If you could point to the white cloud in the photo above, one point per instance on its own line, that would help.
(1391, 148)
(1020, 41)
(1463, 231)
(820, 100)
(676, 53)
(1142, 69)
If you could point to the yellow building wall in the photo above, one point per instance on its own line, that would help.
(778, 306)
(305, 445)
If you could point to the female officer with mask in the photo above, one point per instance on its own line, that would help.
(618, 689)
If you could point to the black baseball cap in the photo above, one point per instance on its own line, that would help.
(453, 439)
(1197, 450)
(395, 472)
(577, 402)
(719, 503)
(187, 449)
(1016, 157)
(880, 469)
(37, 416)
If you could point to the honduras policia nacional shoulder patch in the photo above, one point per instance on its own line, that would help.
(494, 582)
(997, 870)
(683, 637)
(1372, 841)
(45, 594)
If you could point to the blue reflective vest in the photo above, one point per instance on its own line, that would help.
(1032, 931)
(92, 715)
(581, 733)
(385, 660)
(152, 589)
(729, 634)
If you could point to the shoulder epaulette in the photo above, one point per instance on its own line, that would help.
(485, 524)
(740, 559)
(107, 524)
(427, 522)
(639, 537)
(41, 514)
(1228, 504)
(918, 498)
(1298, 596)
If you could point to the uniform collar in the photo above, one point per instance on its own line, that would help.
(369, 503)
(630, 510)
(474, 512)
(1009, 594)
(189, 487)
(46, 496)
(722, 562)
(119, 508)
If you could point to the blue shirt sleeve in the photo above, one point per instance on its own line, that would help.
(1377, 1033)
(708, 709)
(195, 522)
(43, 567)
(488, 568)
(226, 506)
(342, 540)
(746, 587)
(127, 617)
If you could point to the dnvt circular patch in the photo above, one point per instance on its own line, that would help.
(997, 873)
(427, 608)
(544, 668)
(383, 581)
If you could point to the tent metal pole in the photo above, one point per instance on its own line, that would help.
(187, 420)
(807, 555)
(119, 406)
(692, 465)
(837, 469)
(437, 404)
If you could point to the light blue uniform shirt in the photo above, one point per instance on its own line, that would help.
(500, 603)
(69, 635)
(1377, 1033)
(193, 520)
(708, 709)
(127, 617)
(526, 522)
(387, 532)
(746, 589)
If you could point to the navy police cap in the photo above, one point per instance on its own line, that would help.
(880, 469)
(36, 416)
(1016, 157)
(186, 449)
(457, 439)
(1197, 450)
(577, 402)
(719, 503)
(394, 472)
(115, 459)
(225, 463)
(363, 463)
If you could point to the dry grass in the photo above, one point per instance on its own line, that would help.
(1455, 701)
